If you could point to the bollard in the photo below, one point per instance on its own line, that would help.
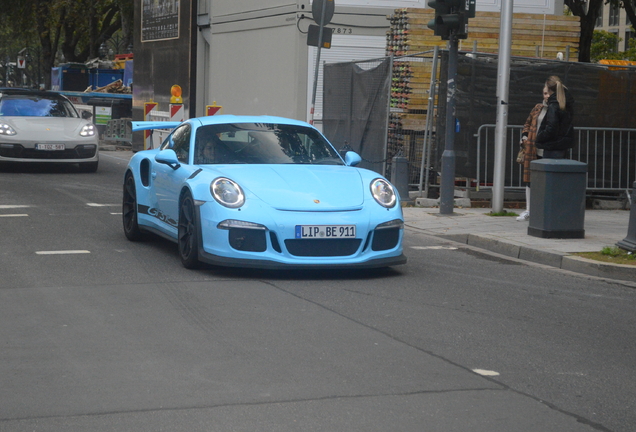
(629, 242)
(557, 200)
(400, 176)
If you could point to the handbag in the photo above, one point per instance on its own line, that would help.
(521, 155)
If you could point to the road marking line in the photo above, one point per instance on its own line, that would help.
(101, 205)
(434, 247)
(13, 215)
(10, 206)
(485, 372)
(62, 252)
(116, 213)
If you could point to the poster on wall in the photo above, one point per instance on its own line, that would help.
(159, 20)
(103, 114)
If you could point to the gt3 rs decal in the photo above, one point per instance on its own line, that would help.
(157, 214)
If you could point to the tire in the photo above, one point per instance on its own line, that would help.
(129, 210)
(188, 233)
(88, 167)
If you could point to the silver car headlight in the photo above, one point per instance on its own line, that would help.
(383, 193)
(5, 129)
(88, 130)
(227, 192)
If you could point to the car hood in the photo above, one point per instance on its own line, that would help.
(301, 187)
(46, 128)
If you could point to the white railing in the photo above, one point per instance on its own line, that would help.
(610, 154)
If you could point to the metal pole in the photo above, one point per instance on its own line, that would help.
(503, 82)
(447, 188)
(430, 113)
(320, 31)
(388, 115)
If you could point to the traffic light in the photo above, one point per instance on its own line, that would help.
(451, 17)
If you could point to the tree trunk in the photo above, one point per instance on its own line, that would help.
(46, 42)
(127, 13)
(588, 16)
(631, 14)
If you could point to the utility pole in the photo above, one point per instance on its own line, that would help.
(451, 23)
(322, 11)
(503, 87)
(447, 188)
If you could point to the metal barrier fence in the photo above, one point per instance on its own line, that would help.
(610, 154)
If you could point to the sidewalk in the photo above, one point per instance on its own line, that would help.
(506, 236)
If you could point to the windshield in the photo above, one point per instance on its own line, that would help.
(259, 143)
(35, 106)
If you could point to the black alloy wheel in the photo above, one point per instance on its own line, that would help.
(188, 233)
(129, 210)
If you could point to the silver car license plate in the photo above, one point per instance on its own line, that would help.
(325, 231)
(49, 147)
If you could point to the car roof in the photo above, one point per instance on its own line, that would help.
(29, 92)
(229, 118)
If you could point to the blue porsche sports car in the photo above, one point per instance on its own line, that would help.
(264, 192)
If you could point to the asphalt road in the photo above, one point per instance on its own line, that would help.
(101, 334)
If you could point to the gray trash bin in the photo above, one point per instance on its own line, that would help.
(557, 198)
(400, 176)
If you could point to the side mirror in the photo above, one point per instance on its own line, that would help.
(352, 158)
(168, 157)
(86, 115)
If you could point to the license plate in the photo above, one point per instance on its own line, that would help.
(49, 146)
(325, 231)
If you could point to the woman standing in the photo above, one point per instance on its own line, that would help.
(556, 133)
(530, 151)
(551, 131)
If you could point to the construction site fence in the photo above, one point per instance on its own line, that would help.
(610, 155)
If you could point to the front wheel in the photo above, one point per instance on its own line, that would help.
(188, 234)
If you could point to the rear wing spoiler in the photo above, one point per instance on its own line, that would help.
(151, 125)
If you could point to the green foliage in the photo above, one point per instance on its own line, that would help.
(56, 29)
(630, 54)
(502, 213)
(611, 254)
(614, 251)
(604, 47)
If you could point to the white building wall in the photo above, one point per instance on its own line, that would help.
(621, 27)
(253, 58)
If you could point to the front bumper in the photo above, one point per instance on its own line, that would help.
(13, 152)
(273, 245)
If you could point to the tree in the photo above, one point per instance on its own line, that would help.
(87, 25)
(72, 28)
(604, 46)
(588, 12)
(629, 9)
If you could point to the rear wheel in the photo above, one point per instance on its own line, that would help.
(129, 210)
(188, 234)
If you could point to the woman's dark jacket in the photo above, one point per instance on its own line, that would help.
(556, 131)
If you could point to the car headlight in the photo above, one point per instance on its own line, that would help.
(5, 129)
(227, 192)
(383, 193)
(88, 130)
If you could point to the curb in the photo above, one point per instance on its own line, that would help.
(600, 269)
(563, 261)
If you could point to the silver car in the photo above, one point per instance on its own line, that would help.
(42, 126)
